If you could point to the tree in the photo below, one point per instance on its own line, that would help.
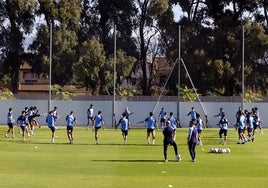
(124, 65)
(119, 13)
(64, 17)
(90, 65)
(19, 18)
(148, 10)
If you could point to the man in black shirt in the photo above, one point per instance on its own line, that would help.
(168, 139)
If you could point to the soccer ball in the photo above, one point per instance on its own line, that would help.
(228, 150)
(212, 150)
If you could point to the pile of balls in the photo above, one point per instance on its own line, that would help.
(220, 150)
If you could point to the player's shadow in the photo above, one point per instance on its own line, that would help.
(129, 160)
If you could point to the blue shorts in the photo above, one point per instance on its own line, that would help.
(249, 130)
(97, 128)
(199, 131)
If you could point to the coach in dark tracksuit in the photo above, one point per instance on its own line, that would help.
(168, 139)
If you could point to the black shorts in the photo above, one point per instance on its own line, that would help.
(150, 130)
(199, 131)
(240, 130)
(125, 132)
(10, 125)
(223, 131)
(53, 129)
(97, 128)
(162, 120)
(22, 128)
(70, 128)
(88, 117)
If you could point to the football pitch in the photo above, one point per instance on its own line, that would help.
(40, 163)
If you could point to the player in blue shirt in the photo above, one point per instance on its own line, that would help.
(10, 123)
(221, 113)
(51, 125)
(173, 124)
(223, 124)
(70, 121)
(55, 115)
(151, 125)
(199, 127)
(124, 127)
(240, 127)
(90, 115)
(168, 140)
(127, 113)
(192, 114)
(192, 139)
(21, 121)
(257, 120)
(163, 117)
(249, 121)
(98, 123)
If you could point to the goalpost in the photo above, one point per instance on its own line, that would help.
(193, 86)
(177, 61)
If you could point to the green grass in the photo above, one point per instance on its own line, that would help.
(39, 163)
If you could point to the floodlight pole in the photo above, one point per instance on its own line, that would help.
(179, 63)
(114, 91)
(243, 67)
(50, 66)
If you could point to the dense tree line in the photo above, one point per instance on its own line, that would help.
(83, 42)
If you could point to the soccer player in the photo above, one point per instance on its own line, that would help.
(168, 140)
(163, 117)
(249, 121)
(223, 124)
(173, 124)
(221, 113)
(238, 114)
(199, 127)
(70, 121)
(33, 113)
(240, 127)
(192, 113)
(27, 124)
(124, 127)
(51, 125)
(21, 121)
(10, 123)
(90, 115)
(192, 139)
(258, 119)
(98, 122)
(55, 116)
(151, 124)
(127, 113)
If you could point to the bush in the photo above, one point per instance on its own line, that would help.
(6, 94)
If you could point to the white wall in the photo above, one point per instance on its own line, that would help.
(141, 110)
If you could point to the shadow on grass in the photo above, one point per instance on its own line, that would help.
(130, 160)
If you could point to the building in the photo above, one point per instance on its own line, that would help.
(30, 82)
